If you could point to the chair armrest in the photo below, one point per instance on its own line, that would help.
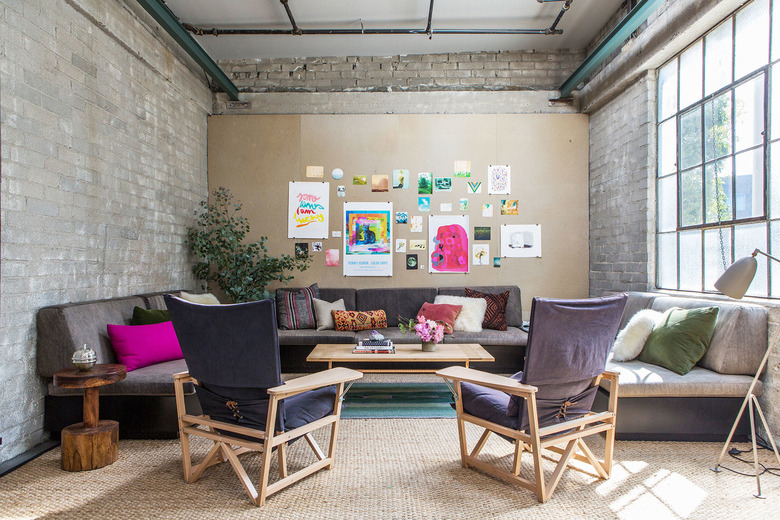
(477, 377)
(183, 377)
(329, 377)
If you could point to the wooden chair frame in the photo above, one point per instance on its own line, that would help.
(535, 439)
(223, 451)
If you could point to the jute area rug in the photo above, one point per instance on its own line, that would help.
(391, 469)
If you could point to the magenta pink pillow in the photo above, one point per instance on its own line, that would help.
(139, 346)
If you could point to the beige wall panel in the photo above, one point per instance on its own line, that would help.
(256, 157)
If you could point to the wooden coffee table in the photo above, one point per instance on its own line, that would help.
(412, 353)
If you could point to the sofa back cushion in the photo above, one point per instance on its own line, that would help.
(514, 306)
(64, 328)
(740, 337)
(335, 293)
(394, 301)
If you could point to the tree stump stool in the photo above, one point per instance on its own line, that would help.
(93, 443)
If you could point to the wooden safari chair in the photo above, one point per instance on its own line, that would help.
(232, 353)
(548, 404)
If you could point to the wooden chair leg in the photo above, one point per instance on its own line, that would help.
(517, 462)
(265, 467)
(480, 443)
(246, 482)
(282, 452)
(570, 450)
(461, 425)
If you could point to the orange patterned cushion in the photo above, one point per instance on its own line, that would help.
(359, 320)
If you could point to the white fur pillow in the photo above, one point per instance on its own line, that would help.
(631, 339)
(203, 299)
(471, 315)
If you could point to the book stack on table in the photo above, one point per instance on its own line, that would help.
(373, 346)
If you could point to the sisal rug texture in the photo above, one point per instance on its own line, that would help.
(392, 469)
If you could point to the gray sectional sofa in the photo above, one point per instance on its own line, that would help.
(657, 404)
(143, 403)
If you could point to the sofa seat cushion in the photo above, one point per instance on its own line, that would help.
(152, 380)
(638, 379)
(510, 336)
(313, 337)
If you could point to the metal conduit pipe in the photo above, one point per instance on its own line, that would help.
(295, 28)
(214, 31)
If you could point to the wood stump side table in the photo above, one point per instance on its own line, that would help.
(93, 443)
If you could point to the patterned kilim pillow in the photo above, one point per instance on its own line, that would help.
(360, 320)
(294, 309)
(496, 308)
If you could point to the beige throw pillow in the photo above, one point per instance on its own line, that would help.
(322, 312)
(471, 315)
(203, 299)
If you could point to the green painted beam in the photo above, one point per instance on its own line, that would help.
(614, 39)
(172, 26)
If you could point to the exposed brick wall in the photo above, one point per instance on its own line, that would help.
(420, 72)
(622, 191)
(103, 164)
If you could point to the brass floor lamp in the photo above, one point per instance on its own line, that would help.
(734, 283)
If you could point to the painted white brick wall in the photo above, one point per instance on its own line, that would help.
(622, 191)
(103, 164)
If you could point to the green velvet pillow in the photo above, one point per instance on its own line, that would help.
(143, 316)
(680, 339)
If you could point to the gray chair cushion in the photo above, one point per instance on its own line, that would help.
(64, 328)
(514, 306)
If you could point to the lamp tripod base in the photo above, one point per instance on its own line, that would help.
(753, 403)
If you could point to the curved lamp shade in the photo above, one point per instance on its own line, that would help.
(736, 280)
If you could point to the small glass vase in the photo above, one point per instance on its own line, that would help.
(428, 346)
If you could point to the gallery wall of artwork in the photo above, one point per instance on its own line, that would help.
(415, 200)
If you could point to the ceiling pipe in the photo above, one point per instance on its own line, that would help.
(215, 31)
(614, 39)
(171, 25)
(295, 28)
(563, 10)
(430, 21)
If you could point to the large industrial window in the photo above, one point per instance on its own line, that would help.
(718, 131)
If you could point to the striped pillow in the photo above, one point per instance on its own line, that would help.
(294, 308)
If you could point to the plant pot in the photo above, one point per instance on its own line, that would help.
(428, 346)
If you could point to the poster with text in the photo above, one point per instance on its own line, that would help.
(308, 210)
(368, 241)
(448, 239)
(521, 241)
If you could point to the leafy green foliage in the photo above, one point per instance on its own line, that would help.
(241, 270)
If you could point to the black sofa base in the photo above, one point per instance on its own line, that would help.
(139, 416)
(676, 418)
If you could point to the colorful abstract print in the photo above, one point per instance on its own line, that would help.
(450, 249)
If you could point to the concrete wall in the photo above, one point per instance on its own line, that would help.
(103, 163)
(417, 72)
(621, 100)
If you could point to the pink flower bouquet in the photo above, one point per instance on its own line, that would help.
(429, 330)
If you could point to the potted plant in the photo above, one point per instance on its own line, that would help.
(429, 331)
(242, 270)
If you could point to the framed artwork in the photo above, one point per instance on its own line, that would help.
(424, 183)
(448, 239)
(411, 262)
(481, 232)
(499, 179)
(523, 241)
(487, 209)
(463, 204)
(509, 207)
(301, 249)
(416, 224)
(368, 240)
(401, 217)
(400, 179)
(480, 254)
(308, 210)
(423, 204)
(417, 245)
(315, 172)
(474, 187)
(400, 245)
(379, 183)
(443, 183)
(332, 257)
(359, 180)
(462, 169)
